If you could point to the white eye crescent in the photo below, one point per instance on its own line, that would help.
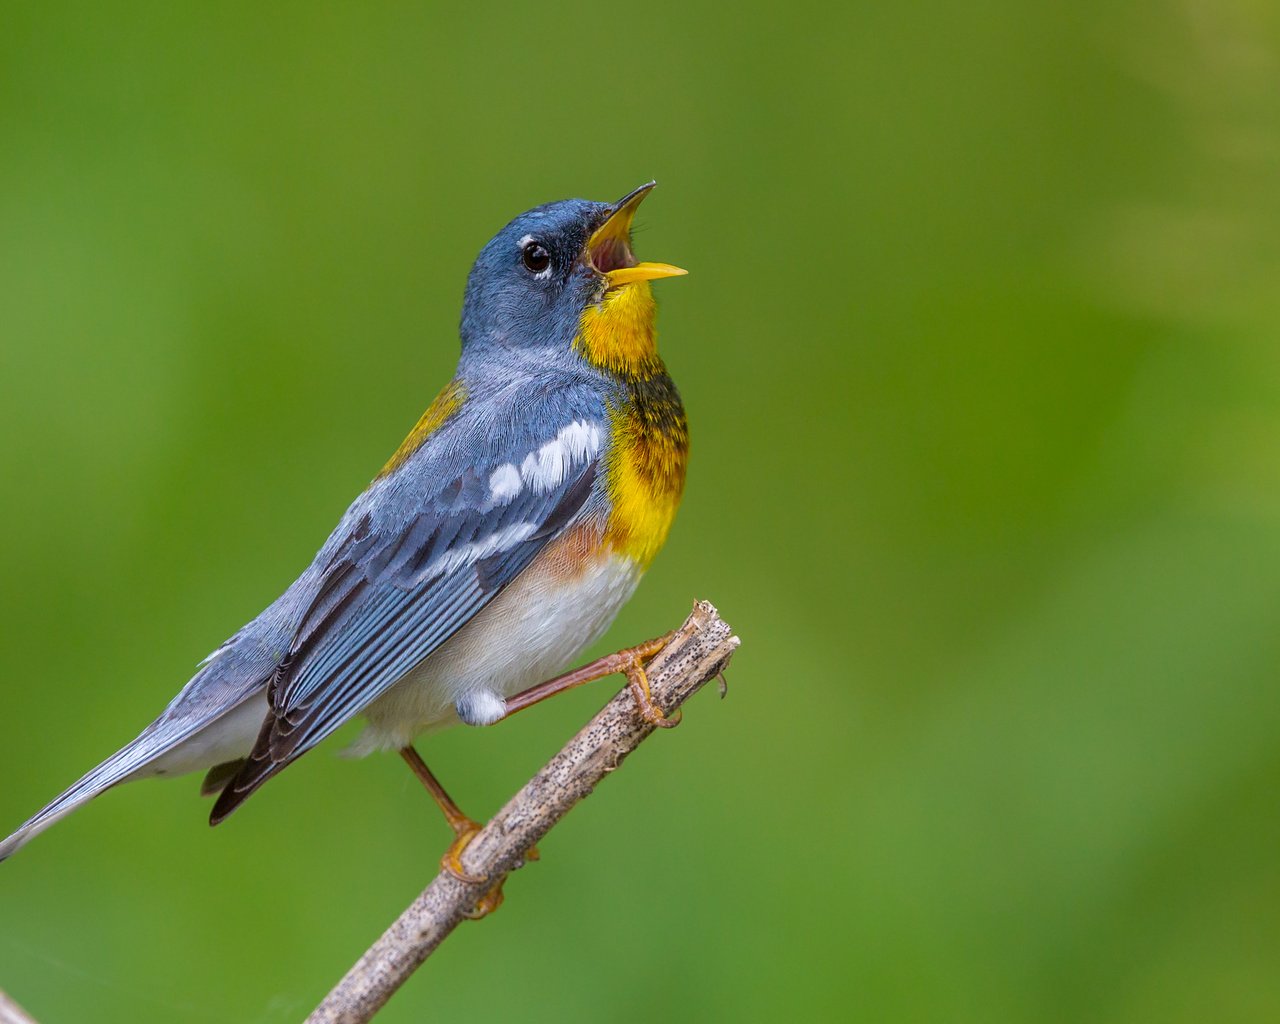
(536, 257)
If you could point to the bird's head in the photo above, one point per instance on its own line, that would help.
(549, 277)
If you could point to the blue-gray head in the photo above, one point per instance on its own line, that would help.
(535, 277)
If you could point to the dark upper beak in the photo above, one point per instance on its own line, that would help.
(609, 248)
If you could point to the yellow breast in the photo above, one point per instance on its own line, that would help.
(646, 468)
(650, 446)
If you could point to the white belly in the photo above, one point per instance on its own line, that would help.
(532, 631)
(227, 738)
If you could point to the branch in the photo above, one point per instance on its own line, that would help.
(12, 1013)
(698, 652)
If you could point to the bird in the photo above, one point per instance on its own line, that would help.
(497, 543)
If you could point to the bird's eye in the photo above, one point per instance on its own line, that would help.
(536, 257)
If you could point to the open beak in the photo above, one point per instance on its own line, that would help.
(609, 249)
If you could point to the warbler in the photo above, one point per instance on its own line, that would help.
(498, 542)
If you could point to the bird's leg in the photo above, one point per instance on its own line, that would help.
(630, 661)
(464, 827)
(464, 830)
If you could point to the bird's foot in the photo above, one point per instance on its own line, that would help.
(464, 832)
(451, 862)
(638, 684)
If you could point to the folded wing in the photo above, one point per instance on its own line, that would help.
(392, 592)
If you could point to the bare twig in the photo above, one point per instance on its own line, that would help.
(697, 653)
(12, 1013)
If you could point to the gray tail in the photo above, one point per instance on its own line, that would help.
(117, 768)
(224, 686)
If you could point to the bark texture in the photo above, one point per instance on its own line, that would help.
(698, 652)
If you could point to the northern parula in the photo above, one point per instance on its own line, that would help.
(498, 542)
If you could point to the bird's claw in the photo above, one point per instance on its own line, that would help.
(638, 683)
(451, 861)
(487, 904)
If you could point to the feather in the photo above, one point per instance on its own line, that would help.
(217, 777)
(417, 586)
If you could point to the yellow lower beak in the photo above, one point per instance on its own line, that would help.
(642, 272)
(610, 247)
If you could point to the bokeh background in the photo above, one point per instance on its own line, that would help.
(981, 348)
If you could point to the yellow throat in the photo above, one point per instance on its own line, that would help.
(650, 449)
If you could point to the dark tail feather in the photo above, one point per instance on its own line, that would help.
(216, 779)
(250, 773)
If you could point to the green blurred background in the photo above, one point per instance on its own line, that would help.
(979, 345)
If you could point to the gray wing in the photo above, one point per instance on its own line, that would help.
(392, 592)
